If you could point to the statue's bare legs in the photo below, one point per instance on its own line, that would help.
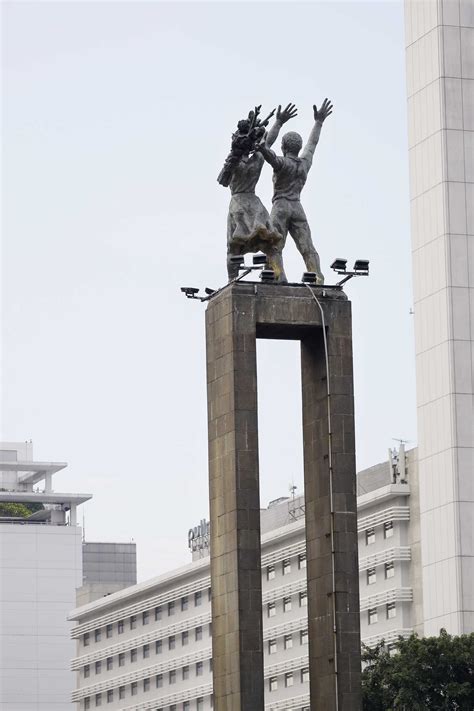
(289, 216)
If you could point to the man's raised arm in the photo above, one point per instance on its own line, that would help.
(319, 116)
(270, 156)
(281, 118)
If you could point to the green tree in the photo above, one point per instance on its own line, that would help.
(14, 509)
(435, 673)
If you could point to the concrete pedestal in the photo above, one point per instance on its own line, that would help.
(235, 318)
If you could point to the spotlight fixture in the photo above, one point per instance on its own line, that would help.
(339, 265)
(309, 278)
(361, 266)
(267, 276)
(259, 259)
(190, 292)
(238, 260)
(209, 291)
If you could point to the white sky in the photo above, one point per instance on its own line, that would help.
(116, 120)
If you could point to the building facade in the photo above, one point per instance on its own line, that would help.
(149, 646)
(440, 84)
(40, 569)
(106, 568)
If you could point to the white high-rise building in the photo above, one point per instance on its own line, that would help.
(40, 569)
(149, 646)
(440, 83)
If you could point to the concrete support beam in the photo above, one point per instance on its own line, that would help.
(234, 319)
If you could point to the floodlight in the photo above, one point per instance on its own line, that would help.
(361, 266)
(190, 291)
(237, 260)
(209, 291)
(259, 258)
(339, 265)
(309, 278)
(267, 276)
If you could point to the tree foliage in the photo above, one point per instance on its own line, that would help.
(429, 673)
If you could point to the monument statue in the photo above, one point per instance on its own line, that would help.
(248, 224)
(290, 172)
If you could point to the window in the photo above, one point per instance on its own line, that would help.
(159, 681)
(185, 673)
(304, 675)
(170, 609)
(158, 646)
(109, 630)
(270, 572)
(271, 609)
(172, 676)
(302, 561)
(110, 696)
(273, 683)
(120, 626)
(286, 604)
(134, 688)
(133, 622)
(288, 679)
(372, 614)
(371, 576)
(209, 594)
(370, 536)
(197, 598)
(98, 699)
(110, 663)
(272, 646)
(184, 603)
(171, 642)
(98, 667)
(304, 637)
(86, 639)
(145, 617)
(210, 629)
(391, 610)
(87, 703)
(146, 684)
(288, 641)
(388, 529)
(158, 613)
(286, 566)
(303, 599)
(185, 638)
(121, 692)
(186, 705)
(133, 655)
(121, 658)
(199, 668)
(389, 570)
(198, 634)
(146, 651)
(199, 704)
(87, 671)
(97, 635)
(173, 707)
(210, 665)
(392, 649)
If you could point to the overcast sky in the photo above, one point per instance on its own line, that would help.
(116, 119)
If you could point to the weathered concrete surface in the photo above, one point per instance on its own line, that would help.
(234, 319)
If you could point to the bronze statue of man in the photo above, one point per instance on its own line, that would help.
(248, 223)
(290, 172)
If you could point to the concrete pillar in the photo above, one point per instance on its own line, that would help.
(234, 319)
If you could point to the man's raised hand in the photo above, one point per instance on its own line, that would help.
(323, 112)
(289, 112)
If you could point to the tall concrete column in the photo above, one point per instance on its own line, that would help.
(234, 319)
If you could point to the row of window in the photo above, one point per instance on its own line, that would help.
(145, 650)
(287, 604)
(370, 533)
(110, 697)
(372, 573)
(289, 679)
(286, 566)
(287, 642)
(390, 613)
(146, 617)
